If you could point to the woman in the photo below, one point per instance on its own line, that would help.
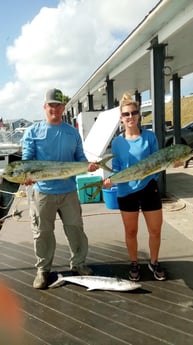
(129, 148)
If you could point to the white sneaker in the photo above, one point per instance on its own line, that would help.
(41, 280)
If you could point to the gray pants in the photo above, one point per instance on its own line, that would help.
(43, 210)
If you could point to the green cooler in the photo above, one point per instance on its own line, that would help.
(85, 194)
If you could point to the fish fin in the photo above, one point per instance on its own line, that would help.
(56, 284)
(98, 186)
(59, 282)
(102, 163)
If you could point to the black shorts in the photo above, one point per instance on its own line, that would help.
(147, 199)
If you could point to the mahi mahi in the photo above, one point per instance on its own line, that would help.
(154, 163)
(36, 170)
(97, 283)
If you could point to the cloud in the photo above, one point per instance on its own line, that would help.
(61, 47)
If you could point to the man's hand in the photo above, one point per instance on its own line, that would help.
(93, 166)
(28, 182)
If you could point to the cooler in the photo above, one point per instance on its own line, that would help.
(85, 194)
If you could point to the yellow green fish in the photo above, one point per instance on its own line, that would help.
(155, 163)
(36, 170)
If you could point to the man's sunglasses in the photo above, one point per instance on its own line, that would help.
(132, 113)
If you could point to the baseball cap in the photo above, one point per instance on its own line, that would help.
(54, 96)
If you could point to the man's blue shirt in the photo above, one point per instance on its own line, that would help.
(63, 143)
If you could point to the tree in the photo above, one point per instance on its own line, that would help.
(66, 99)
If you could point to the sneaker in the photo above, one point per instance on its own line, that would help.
(82, 270)
(134, 273)
(41, 280)
(158, 272)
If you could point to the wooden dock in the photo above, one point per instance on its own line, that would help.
(158, 313)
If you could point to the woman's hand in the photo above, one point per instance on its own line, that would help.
(107, 183)
(177, 164)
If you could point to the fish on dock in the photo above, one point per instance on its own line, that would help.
(37, 170)
(154, 163)
(97, 283)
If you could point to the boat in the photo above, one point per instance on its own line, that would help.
(10, 150)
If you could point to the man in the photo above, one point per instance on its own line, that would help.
(55, 140)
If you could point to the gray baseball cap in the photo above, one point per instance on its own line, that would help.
(54, 96)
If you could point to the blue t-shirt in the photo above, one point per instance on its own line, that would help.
(128, 152)
(62, 142)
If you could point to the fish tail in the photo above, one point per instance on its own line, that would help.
(98, 185)
(102, 163)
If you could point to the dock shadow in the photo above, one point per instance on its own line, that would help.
(18, 255)
(175, 270)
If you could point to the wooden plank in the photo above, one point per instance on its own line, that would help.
(115, 318)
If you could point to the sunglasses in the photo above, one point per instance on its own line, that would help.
(132, 113)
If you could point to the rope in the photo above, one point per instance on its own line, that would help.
(20, 194)
(6, 192)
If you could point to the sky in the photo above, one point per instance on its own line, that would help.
(57, 43)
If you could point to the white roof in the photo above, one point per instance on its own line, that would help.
(172, 22)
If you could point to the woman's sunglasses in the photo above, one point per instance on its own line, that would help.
(132, 113)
